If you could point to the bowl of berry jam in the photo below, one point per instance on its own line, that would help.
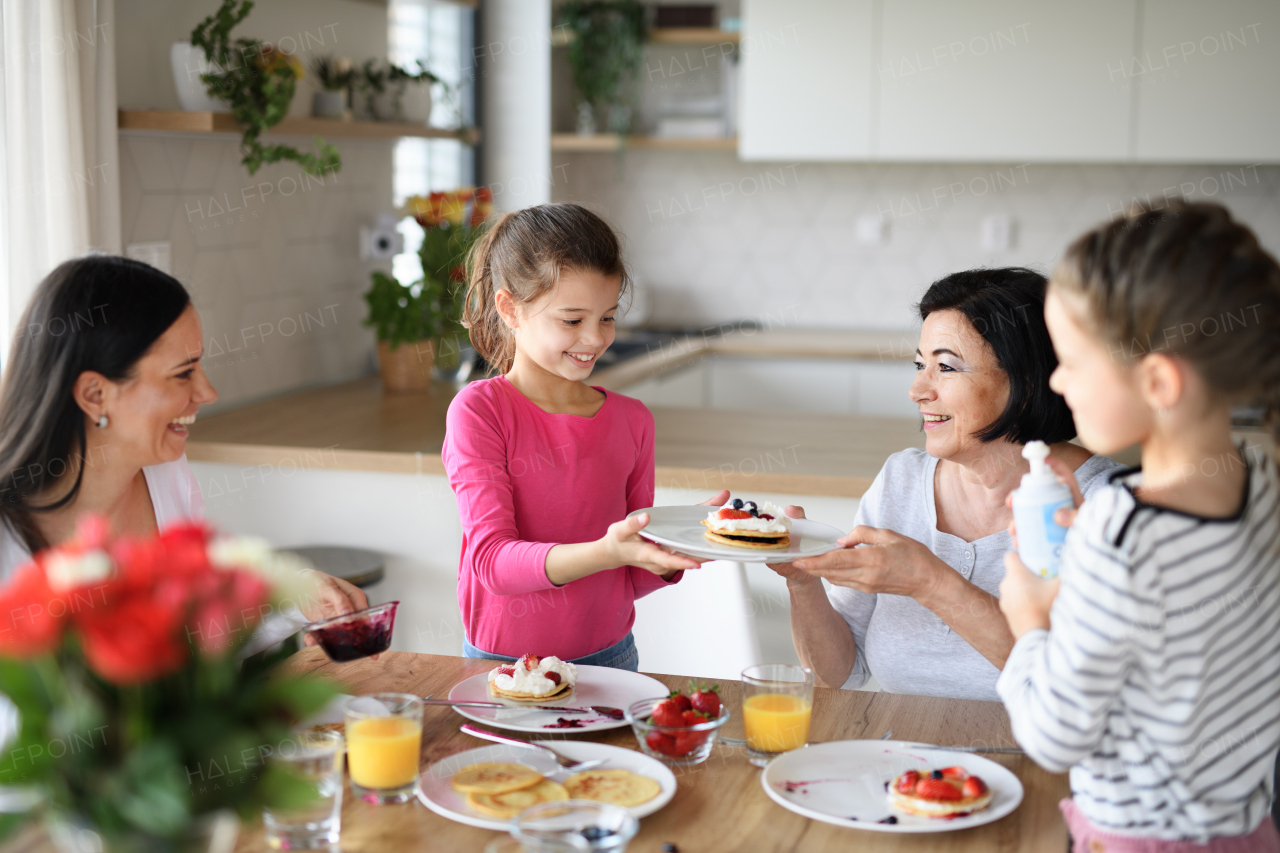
(356, 635)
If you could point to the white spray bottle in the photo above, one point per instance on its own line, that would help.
(1040, 538)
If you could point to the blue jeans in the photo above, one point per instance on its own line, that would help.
(621, 655)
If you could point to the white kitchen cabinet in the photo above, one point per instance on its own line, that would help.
(806, 84)
(684, 389)
(1206, 81)
(1003, 80)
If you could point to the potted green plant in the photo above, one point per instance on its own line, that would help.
(334, 77)
(383, 88)
(257, 82)
(606, 46)
(419, 326)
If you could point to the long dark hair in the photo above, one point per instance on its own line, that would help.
(99, 313)
(1006, 306)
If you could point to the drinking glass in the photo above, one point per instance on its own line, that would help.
(384, 746)
(316, 758)
(777, 704)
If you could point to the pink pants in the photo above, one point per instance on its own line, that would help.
(1088, 839)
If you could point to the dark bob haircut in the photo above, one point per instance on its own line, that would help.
(1006, 307)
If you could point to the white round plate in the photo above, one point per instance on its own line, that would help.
(437, 794)
(334, 711)
(597, 685)
(680, 528)
(843, 783)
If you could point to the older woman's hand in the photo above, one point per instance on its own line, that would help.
(889, 563)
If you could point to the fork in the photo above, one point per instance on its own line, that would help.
(563, 760)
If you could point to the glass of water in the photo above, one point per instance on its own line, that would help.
(317, 759)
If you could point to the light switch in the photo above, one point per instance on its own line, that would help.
(155, 254)
(998, 233)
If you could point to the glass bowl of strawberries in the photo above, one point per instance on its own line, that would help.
(679, 729)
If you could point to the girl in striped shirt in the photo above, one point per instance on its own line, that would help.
(1151, 667)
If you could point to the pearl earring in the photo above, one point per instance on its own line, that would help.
(102, 422)
(1162, 412)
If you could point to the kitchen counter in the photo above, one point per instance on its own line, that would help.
(357, 426)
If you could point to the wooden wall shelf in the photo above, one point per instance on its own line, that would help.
(208, 122)
(665, 35)
(572, 142)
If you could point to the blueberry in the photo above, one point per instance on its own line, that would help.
(737, 503)
(889, 819)
(886, 786)
(595, 833)
(670, 848)
(753, 509)
(937, 774)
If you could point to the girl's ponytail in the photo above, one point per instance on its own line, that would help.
(524, 253)
(489, 334)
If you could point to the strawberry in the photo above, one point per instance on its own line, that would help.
(681, 700)
(907, 782)
(663, 744)
(706, 700)
(506, 670)
(667, 713)
(693, 718)
(937, 789)
(529, 662)
(956, 772)
(553, 677)
(687, 742)
(974, 787)
(732, 513)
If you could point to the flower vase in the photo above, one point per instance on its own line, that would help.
(188, 63)
(586, 120)
(329, 104)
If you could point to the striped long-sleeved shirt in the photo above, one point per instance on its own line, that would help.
(1159, 682)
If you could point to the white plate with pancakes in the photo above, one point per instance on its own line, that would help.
(596, 685)
(843, 782)
(680, 528)
(436, 791)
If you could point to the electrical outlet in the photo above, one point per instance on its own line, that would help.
(998, 232)
(158, 255)
(871, 229)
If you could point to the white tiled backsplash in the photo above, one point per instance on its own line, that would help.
(271, 260)
(715, 239)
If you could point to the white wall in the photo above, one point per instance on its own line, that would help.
(719, 240)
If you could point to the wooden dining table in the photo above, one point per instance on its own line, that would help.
(719, 805)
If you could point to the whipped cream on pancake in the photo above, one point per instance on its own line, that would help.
(779, 523)
(534, 676)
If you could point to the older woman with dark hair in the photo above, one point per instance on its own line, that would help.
(913, 595)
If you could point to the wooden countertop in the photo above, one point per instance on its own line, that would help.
(357, 426)
(719, 805)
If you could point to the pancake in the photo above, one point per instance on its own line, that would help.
(750, 539)
(564, 692)
(617, 787)
(914, 804)
(510, 804)
(494, 778)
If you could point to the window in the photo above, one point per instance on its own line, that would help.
(440, 36)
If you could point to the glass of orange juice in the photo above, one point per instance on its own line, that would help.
(777, 704)
(384, 745)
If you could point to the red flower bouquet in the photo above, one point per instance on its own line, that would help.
(136, 715)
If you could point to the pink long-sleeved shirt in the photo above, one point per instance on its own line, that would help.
(526, 481)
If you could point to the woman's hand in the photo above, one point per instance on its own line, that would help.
(1025, 599)
(794, 574)
(623, 547)
(889, 563)
(719, 500)
(329, 597)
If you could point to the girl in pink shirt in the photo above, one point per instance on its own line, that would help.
(544, 465)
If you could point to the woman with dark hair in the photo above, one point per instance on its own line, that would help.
(916, 606)
(102, 382)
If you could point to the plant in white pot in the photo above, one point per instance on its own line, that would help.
(391, 93)
(334, 77)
